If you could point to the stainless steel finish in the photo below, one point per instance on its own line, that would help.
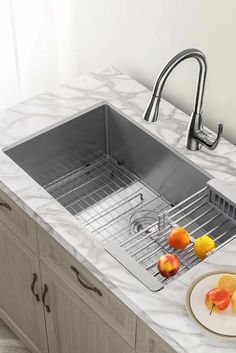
(101, 168)
(223, 196)
(63, 150)
(197, 215)
(197, 135)
(103, 195)
(137, 270)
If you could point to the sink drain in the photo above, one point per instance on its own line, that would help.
(141, 220)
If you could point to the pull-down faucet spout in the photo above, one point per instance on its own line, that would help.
(196, 134)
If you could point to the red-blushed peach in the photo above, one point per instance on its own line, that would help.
(168, 265)
(217, 299)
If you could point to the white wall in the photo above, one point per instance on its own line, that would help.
(139, 36)
(60, 39)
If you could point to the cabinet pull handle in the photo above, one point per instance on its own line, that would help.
(94, 289)
(35, 278)
(45, 291)
(4, 204)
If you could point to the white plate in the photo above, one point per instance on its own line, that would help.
(221, 323)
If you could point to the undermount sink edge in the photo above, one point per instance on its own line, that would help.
(22, 156)
(104, 169)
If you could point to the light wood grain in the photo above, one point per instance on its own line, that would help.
(9, 343)
(80, 321)
(19, 222)
(149, 342)
(18, 306)
(72, 326)
(108, 306)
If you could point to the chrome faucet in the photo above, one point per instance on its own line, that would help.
(196, 133)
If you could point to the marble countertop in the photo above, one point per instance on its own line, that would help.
(164, 311)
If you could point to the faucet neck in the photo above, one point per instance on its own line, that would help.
(175, 61)
(196, 134)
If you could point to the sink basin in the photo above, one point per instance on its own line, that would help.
(100, 133)
(109, 172)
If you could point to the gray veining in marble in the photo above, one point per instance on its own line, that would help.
(164, 311)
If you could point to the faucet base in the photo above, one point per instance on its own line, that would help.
(197, 135)
(191, 143)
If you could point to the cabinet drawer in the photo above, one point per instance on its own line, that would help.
(18, 221)
(100, 299)
(149, 342)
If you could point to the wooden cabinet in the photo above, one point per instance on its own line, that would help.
(149, 342)
(19, 307)
(71, 325)
(107, 306)
(18, 221)
(53, 303)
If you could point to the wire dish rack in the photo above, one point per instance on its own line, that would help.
(103, 195)
(133, 221)
(139, 253)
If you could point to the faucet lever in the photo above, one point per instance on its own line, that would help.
(205, 139)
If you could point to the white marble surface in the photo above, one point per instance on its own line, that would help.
(164, 311)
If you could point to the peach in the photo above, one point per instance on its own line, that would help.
(217, 299)
(168, 265)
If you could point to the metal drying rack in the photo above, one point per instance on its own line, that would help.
(104, 195)
(139, 253)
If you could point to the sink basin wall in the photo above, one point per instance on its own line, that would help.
(101, 131)
(163, 170)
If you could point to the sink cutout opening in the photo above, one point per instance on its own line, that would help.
(126, 187)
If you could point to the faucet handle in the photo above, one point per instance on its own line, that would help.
(205, 139)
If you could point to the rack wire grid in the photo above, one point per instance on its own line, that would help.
(105, 197)
(194, 214)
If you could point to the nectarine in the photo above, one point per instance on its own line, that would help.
(168, 265)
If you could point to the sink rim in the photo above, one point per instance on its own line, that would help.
(140, 124)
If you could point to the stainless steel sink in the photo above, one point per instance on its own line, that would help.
(103, 133)
(116, 178)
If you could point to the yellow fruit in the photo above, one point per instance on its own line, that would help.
(233, 301)
(228, 282)
(202, 245)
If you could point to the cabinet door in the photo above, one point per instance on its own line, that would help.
(71, 324)
(148, 341)
(19, 308)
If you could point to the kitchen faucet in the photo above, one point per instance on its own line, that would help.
(196, 134)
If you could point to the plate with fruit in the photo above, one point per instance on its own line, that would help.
(211, 302)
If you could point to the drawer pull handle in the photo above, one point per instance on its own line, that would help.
(94, 289)
(45, 291)
(35, 278)
(4, 204)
